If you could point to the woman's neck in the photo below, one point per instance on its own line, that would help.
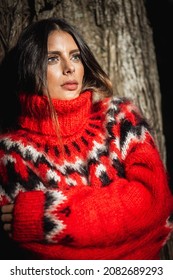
(71, 114)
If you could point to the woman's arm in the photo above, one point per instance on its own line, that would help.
(90, 216)
(137, 203)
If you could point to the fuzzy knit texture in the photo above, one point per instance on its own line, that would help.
(98, 192)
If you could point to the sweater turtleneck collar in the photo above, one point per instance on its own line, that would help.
(72, 114)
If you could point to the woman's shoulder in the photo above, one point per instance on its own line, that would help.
(122, 103)
(122, 108)
(13, 139)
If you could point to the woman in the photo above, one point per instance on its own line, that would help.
(80, 175)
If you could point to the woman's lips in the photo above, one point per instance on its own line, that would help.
(70, 85)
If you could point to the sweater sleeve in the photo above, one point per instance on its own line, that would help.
(133, 206)
(128, 208)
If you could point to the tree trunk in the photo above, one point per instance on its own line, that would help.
(119, 35)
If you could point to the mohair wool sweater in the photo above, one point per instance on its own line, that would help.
(105, 197)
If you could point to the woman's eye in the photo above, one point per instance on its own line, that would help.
(76, 57)
(53, 59)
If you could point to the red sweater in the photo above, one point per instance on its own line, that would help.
(105, 197)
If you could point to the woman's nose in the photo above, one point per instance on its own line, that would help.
(68, 67)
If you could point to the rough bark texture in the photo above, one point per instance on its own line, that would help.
(120, 36)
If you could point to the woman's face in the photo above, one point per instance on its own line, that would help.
(65, 70)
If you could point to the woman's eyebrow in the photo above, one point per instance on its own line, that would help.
(58, 52)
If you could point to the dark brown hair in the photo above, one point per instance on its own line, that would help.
(30, 60)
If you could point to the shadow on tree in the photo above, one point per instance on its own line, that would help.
(9, 105)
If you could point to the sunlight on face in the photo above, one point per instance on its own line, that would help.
(65, 70)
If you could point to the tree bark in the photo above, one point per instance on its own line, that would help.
(121, 38)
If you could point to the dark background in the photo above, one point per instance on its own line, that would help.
(160, 14)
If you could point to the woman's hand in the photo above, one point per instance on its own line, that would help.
(7, 217)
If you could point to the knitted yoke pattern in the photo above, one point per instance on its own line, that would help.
(99, 191)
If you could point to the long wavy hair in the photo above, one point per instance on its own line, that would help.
(29, 62)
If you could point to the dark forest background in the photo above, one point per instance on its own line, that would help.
(160, 14)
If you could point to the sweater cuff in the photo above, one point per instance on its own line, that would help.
(28, 216)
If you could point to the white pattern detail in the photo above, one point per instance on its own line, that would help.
(8, 158)
(132, 137)
(120, 116)
(84, 180)
(168, 225)
(40, 187)
(18, 188)
(93, 154)
(53, 175)
(117, 142)
(3, 194)
(24, 149)
(78, 165)
(71, 182)
(59, 198)
(113, 156)
(99, 169)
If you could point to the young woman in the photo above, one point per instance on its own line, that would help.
(80, 174)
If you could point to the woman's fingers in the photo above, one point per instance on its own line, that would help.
(6, 218)
(7, 208)
(7, 227)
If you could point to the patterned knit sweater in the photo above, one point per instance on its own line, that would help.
(103, 196)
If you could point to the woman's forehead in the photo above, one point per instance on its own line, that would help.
(60, 41)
